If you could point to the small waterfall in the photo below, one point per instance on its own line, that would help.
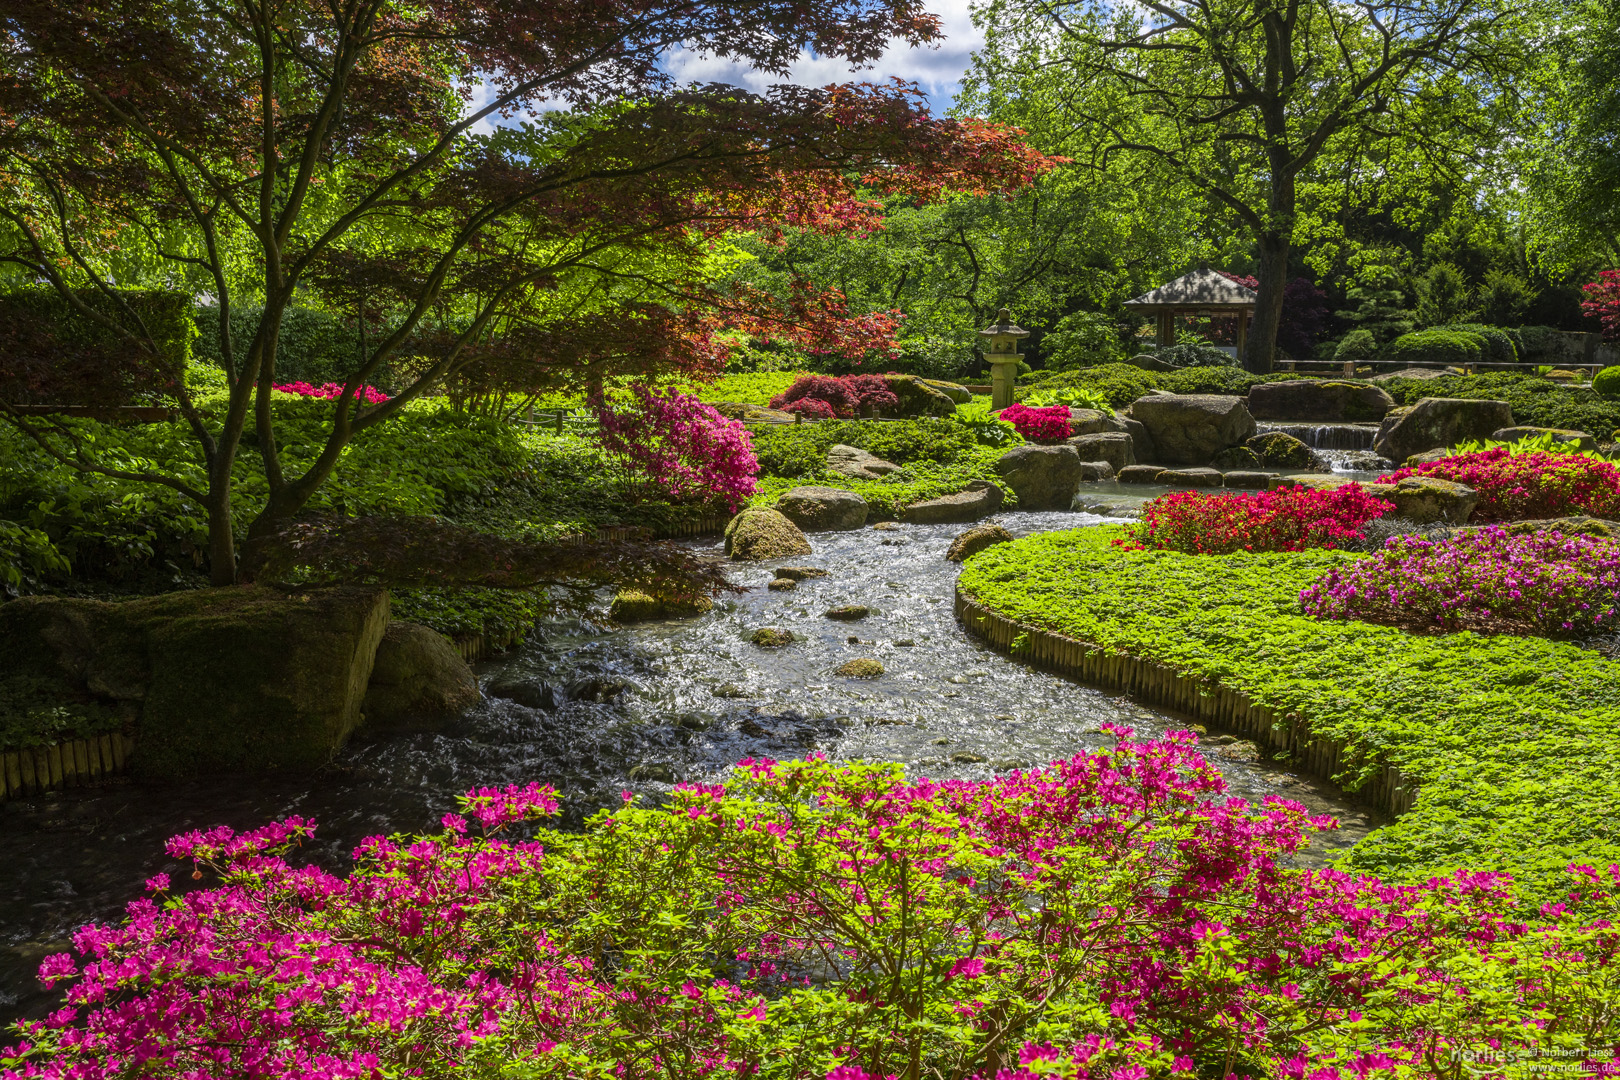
(1354, 461)
(1326, 436)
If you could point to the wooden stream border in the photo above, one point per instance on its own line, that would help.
(1388, 790)
(63, 765)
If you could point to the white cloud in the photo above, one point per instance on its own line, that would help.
(936, 69)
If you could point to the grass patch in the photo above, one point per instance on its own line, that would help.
(1514, 740)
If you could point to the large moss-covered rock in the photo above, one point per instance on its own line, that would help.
(917, 398)
(239, 679)
(1319, 399)
(760, 533)
(1192, 428)
(1093, 422)
(1279, 450)
(634, 605)
(1043, 477)
(858, 464)
(418, 677)
(822, 509)
(1428, 499)
(959, 394)
(1437, 422)
(979, 499)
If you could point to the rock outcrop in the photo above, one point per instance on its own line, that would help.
(1438, 422)
(1114, 447)
(1279, 450)
(979, 499)
(1043, 477)
(759, 533)
(418, 678)
(1582, 439)
(959, 394)
(917, 398)
(1428, 499)
(633, 605)
(823, 509)
(1191, 429)
(1093, 422)
(856, 463)
(1319, 399)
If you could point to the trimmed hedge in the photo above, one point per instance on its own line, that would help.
(50, 354)
(1436, 347)
(313, 346)
(1499, 345)
(1515, 741)
(1122, 384)
(1607, 382)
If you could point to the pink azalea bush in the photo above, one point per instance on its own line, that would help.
(1115, 916)
(1286, 519)
(1485, 579)
(1516, 487)
(369, 394)
(1048, 424)
(667, 445)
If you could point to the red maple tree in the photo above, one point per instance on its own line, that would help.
(258, 153)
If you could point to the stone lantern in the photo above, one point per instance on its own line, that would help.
(1001, 349)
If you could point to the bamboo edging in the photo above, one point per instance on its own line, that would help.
(77, 763)
(1388, 789)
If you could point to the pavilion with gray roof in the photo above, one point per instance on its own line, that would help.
(1201, 292)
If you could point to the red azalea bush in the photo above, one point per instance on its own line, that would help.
(1603, 303)
(1515, 487)
(1545, 583)
(1117, 916)
(370, 394)
(1047, 424)
(670, 446)
(1287, 519)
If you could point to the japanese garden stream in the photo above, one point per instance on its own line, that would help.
(599, 711)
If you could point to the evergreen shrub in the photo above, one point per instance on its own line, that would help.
(1450, 347)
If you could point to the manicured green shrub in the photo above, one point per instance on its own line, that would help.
(1513, 741)
(1607, 382)
(1215, 380)
(1449, 347)
(1358, 346)
(1536, 344)
(1194, 356)
(1120, 384)
(1499, 347)
(1081, 339)
(313, 346)
(52, 355)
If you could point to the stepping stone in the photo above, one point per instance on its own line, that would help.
(1192, 478)
(1258, 481)
(1140, 474)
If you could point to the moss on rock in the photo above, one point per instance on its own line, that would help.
(771, 637)
(760, 533)
(862, 668)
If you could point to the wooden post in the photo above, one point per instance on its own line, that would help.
(1167, 327)
(1243, 332)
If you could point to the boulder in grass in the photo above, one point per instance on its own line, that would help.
(417, 676)
(1439, 422)
(1428, 500)
(1114, 447)
(959, 394)
(917, 398)
(857, 464)
(970, 543)
(1191, 429)
(979, 499)
(760, 533)
(1043, 477)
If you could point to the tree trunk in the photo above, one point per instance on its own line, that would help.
(221, 532)
(1273, 275)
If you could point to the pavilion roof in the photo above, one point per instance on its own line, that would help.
(1198, 289)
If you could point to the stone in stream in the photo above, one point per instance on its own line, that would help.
(658, 772)
(823, 509)
(633, 605)
(418, 675)
(1191, 478)
(849, 612)
(858, 464)
(1096, 471)
(800, 573)
(1328, 400)
(1236, 457)
(782, 584)
(979, 499)
(886, 526)
(862, 668)
(1436, 422)
(1191, 429)
(771, 637)
(1140, 474)
(970, 543)
(760, 533)
(1114, 447)
(1279, 450)
(1258, 481)
(534, 695)
(1043, 477)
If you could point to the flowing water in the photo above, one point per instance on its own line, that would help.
(1324, 436)
(595, 712)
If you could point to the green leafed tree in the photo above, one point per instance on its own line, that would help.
(1245, 103)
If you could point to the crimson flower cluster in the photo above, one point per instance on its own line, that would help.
(369, 394)
(1287, 519)
(1117, 916)
(827, 397)
(666, 445)
(1514, 487)
(1543, 583)
(1049, 424)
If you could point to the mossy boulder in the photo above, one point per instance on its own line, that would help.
(771, 637)
(959, 394)
(1428, 499)
(1237, 457)
(862, 668)
(782, 584)
(633, 605)
(241, 679)
(1319, 399)
(1437, 422)
(1278, 450)
(800, 573)
(418, 677)
(849, 612)
(1190, 429)
(816, 508)
(970, 543)
(917, 398)
(760, 533)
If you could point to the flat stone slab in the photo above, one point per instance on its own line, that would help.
(1324, 481)
(1258, 481)
(1140, 474)
(1192, 478)
(1096, 470)
(981, 499)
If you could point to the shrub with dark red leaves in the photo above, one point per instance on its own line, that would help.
(810, 408)
(872, 391)
(1049, 424)
(833, 392)
(1516, 487)
(1288, 519)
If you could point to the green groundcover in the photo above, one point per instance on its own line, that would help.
(1515, 741)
